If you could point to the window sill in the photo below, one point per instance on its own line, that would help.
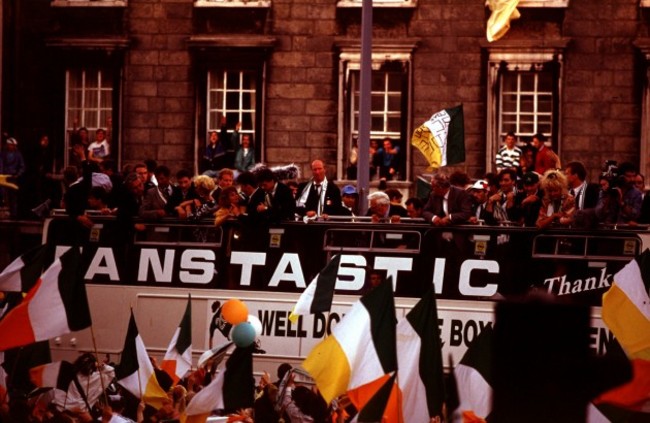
(233, 3)
(351, 4)
(89, 3)
(557, 4)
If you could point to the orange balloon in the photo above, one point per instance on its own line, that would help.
(234, 311)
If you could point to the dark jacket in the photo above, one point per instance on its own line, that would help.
(459, 206)
(332, 204)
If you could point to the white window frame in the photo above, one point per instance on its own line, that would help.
(91, 126)
(350, 59)
(522, 59)
(222, 108)
(518, 114)
(89, 3)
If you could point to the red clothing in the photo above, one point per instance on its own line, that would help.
(545, 159)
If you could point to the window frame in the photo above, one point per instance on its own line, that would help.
(233, 3)
(89, 3)
(350, 59)
(522, 57)
(240, 110)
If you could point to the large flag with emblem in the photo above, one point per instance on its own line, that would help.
(503, 11)
(474, 376)
(21, 274)
(317, 297)
(361, 348)
(231, 389)
(56, 305)
(178, 358)
(419, 357)
(441, 139)
(626, 312)
(135, 371)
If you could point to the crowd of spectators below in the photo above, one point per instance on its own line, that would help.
(531, 188)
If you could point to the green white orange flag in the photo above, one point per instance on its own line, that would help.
(361, 348)
(56, 375)
(135, 371)
(178, 358)
(474, 376)
(503, 11)
(22, 273)
(419, 356)
(317, 297)
(55, 305)
(626, 312)
(441, 139)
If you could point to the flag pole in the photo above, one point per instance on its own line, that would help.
(99, 365)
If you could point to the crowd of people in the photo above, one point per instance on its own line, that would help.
(530, 188)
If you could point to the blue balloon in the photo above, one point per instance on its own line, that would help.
(243, 334)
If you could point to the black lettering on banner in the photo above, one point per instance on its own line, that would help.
(280, 320)
(599, 340)
(266, 318)
(456, 333)
(301, 332)
(470, 331)
(333, 317)
(440, 325)
(484, 324)
(319, 325)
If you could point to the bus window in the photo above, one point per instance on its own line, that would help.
(160, 234)
(372, 240)
(586, 246)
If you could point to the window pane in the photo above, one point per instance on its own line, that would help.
(248, 81)
(544, 104)
(378, 81)
(232, 101)
(247, 121)
(248, 101)
(545, 82)
(105, 99)
(394, 124)
(394, 82)
(74, 99)
(90, 119)
(103, 118)
(232, 80)
(377, 102)
(527, 104)
(394, 103)
(377, 123)
(509, 83)
(90, 99)
(544, 128)
(509, 103)
(509, 127)
(213, 99)
(213, 120)
(528, 82)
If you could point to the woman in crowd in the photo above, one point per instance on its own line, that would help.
(229, 207)
(199, 207)
(558, 207)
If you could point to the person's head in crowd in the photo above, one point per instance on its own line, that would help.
(247, 183)
(440, 184)
(554, 184)
(134, 184)
(282, 370)
(44, 141)
(510, 140)
(225, 177)
(309, 403)
(493, 182)
(538, 141)
(266, 179)
(184, 180)
(531, 183)
(100, 135)
(605, 182)
(228, 197)
(141, 170)
(162, 176)
(379, 203)
(151, 166)
(246, 141)
(350, 197)
(82, 133)
(213, 137)
(394, 195)
(293, 186)
(387, 144)
(528, 157)
(639, 182)
(629, 170)
(97, 198)
(126, 169)
(11, 144)
(507, 180)
(479, 191)
(576, 173)
(108, 167)
(459, 179)
(204, 185)
(414, 207)
(318, 171)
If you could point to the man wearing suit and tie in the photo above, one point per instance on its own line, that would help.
(274, 201)
(318, 197)
(447, 205)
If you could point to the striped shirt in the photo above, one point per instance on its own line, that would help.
(508, 158)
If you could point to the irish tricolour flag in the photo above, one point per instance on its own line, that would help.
(441, 139)
(178, 358)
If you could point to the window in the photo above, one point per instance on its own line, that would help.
(389, 114)
(232, 93)
(523, 96)
(89, 104)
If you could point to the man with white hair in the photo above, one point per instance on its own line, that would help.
(318, 197)
(447, 205)
(381, 210)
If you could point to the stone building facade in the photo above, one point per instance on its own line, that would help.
(161, 74)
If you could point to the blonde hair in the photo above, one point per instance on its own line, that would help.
(554, 179)
(204, 182)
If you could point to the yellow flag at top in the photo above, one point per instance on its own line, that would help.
(503, 11)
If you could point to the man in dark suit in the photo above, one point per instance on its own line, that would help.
(274, 202)
(586, 195)
(318, 197)
(156, 198)
(447, 205)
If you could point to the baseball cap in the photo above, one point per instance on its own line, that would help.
(531, 178)
(481, 184)
(12, 141)
(349, 190)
